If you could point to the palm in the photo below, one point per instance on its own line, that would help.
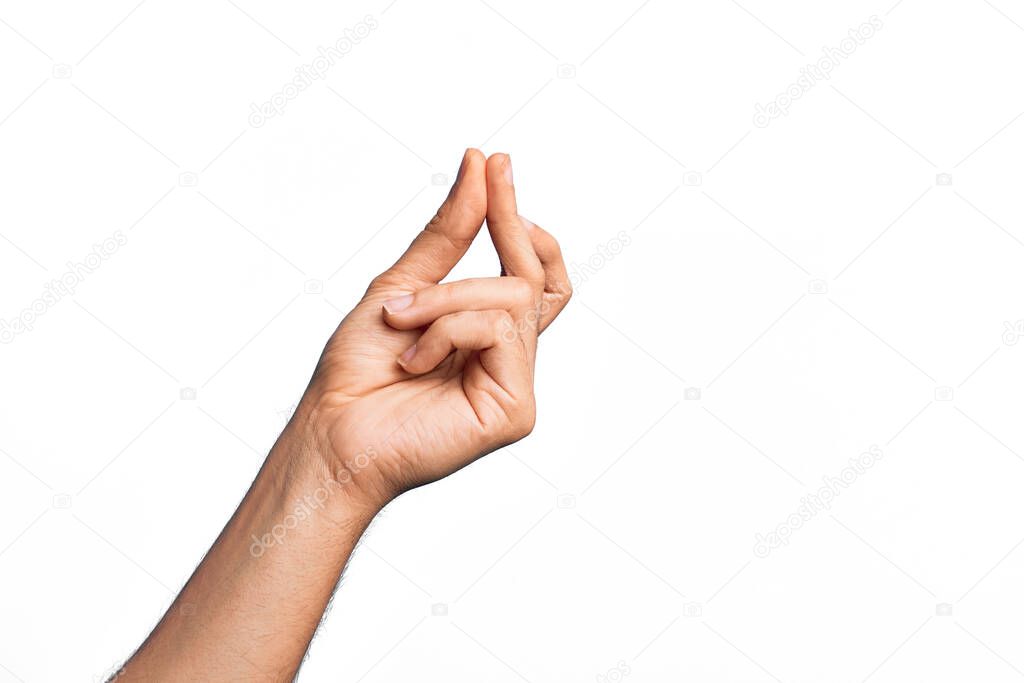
(432, 424)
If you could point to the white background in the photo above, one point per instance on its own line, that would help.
(811, 278)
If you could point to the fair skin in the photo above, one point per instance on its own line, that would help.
(419, 380)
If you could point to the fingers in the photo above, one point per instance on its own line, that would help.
(444, 240)
(557, 287)
(512, 294)
(507, 231)
(490, 332)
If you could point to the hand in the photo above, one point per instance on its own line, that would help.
(426, 377)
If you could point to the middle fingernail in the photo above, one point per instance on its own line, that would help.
(399, 303)
(508, 169)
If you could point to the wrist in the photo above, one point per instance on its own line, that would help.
(336, 477)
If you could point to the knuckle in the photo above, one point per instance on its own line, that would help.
(383, 281)
(522, 290)
(446, 294)
(474, 204)
(552, 244)
(447, 324)
(535, 275)
(392, 281)
(503, 326)
(439, 218)
(444, 211)
(524, 418)
(501, 320)
(456, 209)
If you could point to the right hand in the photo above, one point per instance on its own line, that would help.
(427, 377)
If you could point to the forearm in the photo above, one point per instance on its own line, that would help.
(251, 607)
